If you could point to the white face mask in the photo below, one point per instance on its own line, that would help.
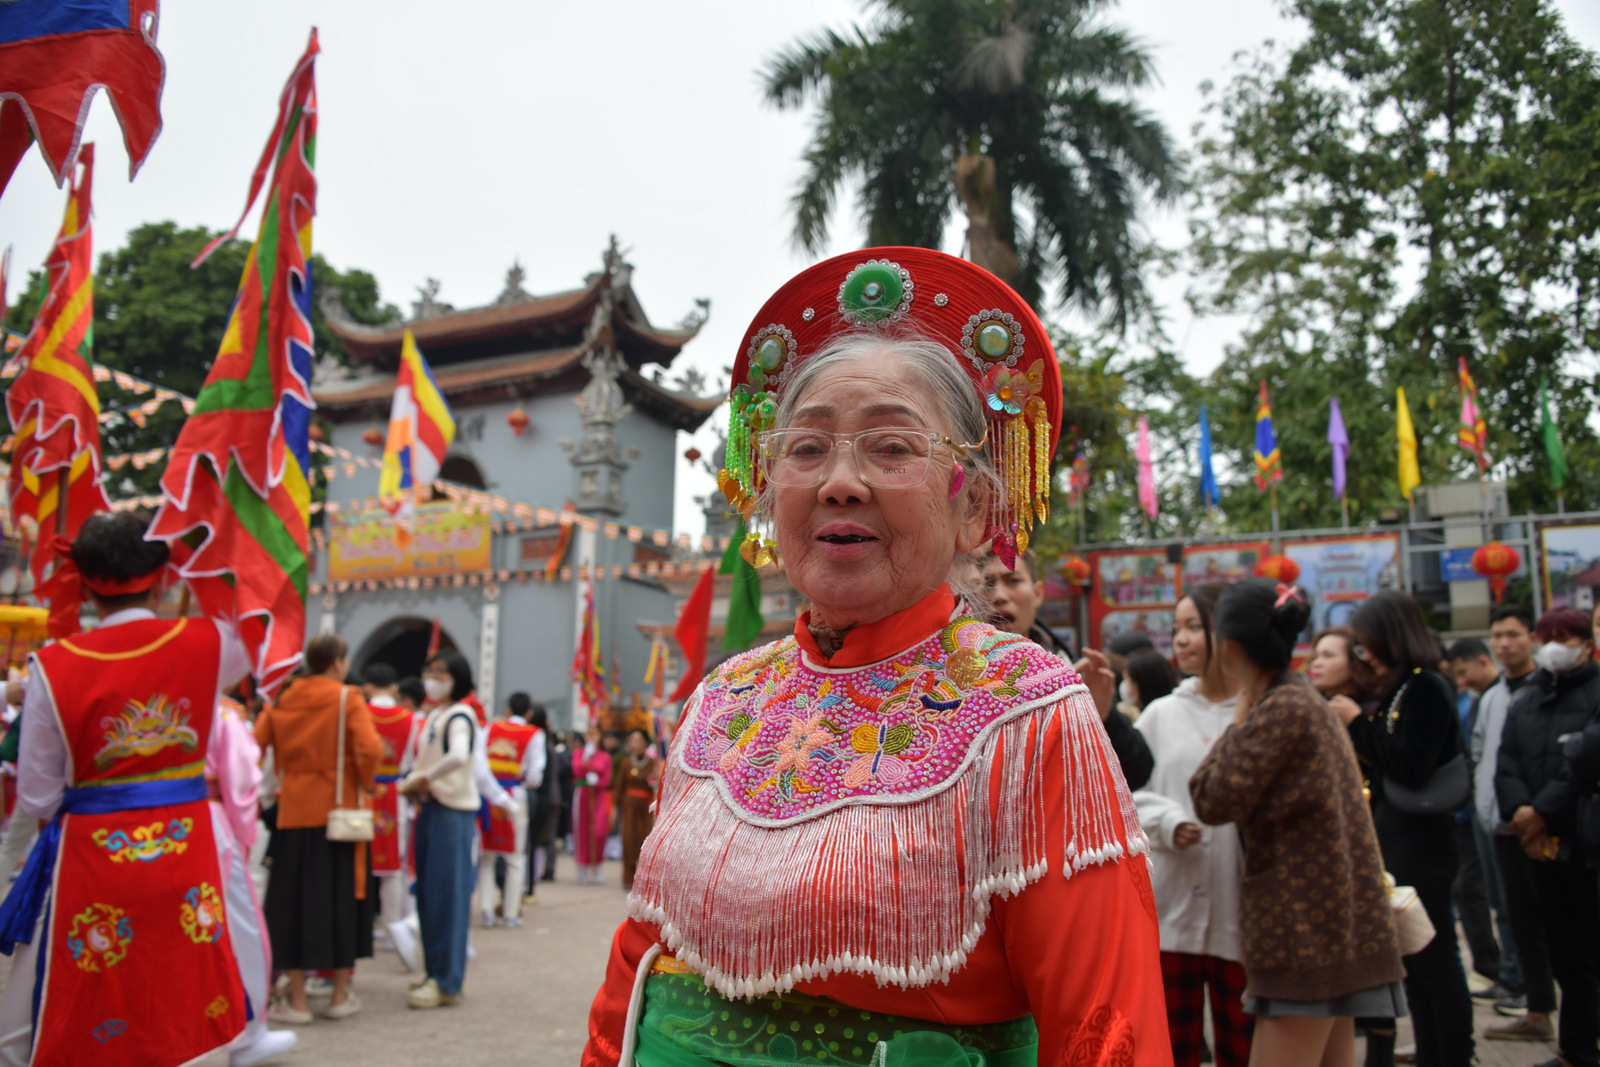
(1128, 692)
(1557, 658)
(438, 689)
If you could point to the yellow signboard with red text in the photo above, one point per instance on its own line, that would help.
(444, 540)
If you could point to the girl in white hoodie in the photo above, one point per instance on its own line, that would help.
(1196, 868)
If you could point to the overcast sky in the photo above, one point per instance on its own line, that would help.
(454, 139)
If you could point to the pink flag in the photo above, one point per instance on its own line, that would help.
(1147, 474)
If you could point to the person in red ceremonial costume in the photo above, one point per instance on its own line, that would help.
(128, 956)
(516, 760)
(591, 805)
(398, 728)
(899, 835)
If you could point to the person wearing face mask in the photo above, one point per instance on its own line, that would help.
(1146, 677)
(444, 783)
(1196, 871)
(1550, 888)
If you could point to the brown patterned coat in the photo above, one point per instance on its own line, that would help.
(1315, 917)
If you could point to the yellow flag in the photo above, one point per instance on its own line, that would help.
(1410, 476)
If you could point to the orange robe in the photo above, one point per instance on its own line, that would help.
(1081, 954)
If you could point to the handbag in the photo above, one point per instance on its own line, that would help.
(1445, 792)
(347, 824)
(1411, 923)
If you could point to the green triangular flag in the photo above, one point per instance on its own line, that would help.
(744, 601)
(1552, 438)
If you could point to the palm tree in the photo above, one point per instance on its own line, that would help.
(1013, 107)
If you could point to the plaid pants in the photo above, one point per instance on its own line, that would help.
(1185, 978)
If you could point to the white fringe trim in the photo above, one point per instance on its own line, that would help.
(898, 892)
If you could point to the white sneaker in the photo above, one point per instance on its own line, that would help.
(344, 1009)
(424, 996)
(488, 920)
(268, 1043)
(513, 923)
(405, 936)
(280, 1012)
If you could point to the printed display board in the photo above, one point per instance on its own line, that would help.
(1571, 558)
(1222, 563)
(444, 540)
(1133, 592)
(1338, 573)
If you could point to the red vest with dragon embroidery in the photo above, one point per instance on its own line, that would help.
(508, 743)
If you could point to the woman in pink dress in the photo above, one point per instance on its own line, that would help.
(591, 806)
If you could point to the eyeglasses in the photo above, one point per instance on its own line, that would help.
(895, 458)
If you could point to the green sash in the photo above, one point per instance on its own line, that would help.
(685, 1024)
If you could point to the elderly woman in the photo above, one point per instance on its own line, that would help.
(899, 832)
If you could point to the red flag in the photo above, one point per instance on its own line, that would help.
(53, 403)
(693, 626)
(55, 56)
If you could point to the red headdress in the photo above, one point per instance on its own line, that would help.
(916, 292)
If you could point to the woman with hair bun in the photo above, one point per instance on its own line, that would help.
(1318, 934)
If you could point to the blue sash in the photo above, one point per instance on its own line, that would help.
(20, 912)
(387, 779)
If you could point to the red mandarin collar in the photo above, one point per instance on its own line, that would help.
(875, 641)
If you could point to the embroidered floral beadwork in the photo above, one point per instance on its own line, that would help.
(817, 821)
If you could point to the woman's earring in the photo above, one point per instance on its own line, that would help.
(958, 481)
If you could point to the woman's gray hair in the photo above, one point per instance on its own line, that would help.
(946, 384)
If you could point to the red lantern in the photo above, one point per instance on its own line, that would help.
(693, 455)
(1495, 561)
(1280, 569)
(1076, 569)
(518, 420)
(373, 436)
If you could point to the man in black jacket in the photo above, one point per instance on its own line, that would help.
(1550, 889)
(1014, 597)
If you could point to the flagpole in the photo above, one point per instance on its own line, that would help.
(1561, 502)
(1344, 512)
(1276, 546)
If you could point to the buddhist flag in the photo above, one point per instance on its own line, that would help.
(53, 405)
(1410, 476)
(1269, 463)
(1147, 471)
(1208, 476)
(1473, 433)
(1339, 441)
(421, 428)
(236, 481)
(1552, 438)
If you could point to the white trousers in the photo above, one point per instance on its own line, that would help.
(16, 1002)
(248, 933)
(14, 845)
(489, 895)
(394, 903)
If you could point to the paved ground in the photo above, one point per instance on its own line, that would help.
(528, 995)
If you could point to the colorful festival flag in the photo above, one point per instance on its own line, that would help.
(236, 481)
(53, 404)
(5, 281)
(1147, 473)
(421, 427)
(1269, 463)
(1208, 476)
(587, 666)
(1410, 475)
(1473, 433)
(1339, 441)
(54, 56)
(694, 624)
(744, 599)
(1552, 438)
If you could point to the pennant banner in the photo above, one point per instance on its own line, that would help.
(1269, 464)
(54, 56)
(237, 477)
(1473, 432)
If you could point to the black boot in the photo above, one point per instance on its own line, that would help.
(1380, 1049)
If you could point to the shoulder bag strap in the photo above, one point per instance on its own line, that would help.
(338, 774)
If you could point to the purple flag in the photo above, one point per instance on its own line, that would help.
(1341, 445)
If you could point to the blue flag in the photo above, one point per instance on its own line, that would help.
(1208, 477)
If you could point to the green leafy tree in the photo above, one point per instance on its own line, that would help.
(161, 320)
(1414, 183)
(1018, 109)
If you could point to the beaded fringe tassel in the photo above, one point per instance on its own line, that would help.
(897, 891)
